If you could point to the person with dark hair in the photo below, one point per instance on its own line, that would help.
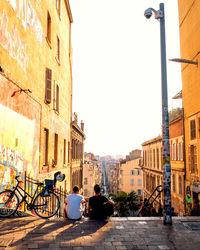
(99, 206)
(73, 209)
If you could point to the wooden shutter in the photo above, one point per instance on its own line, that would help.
(48, 86)
(192, 130)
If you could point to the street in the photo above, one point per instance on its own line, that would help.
(116, 233)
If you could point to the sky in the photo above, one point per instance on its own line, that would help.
(117, 71)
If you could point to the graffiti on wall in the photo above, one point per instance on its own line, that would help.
(11, 41)
(26, 13)
(19, 135)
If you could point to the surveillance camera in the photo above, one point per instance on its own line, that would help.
(148, 13)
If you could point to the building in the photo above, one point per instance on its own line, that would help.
(131, 174)
(92, 172)
(189, 23)
(36, 89)
(77, 142)
(176, 134)
(152, 169)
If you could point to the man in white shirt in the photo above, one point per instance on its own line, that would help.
(73, 204)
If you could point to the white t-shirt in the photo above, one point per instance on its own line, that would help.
(74, 206)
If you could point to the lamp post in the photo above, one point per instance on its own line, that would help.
(160, 16)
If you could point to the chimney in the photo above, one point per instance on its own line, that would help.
(82, 126)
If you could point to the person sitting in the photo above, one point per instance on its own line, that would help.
(99, 206)
(73, 209)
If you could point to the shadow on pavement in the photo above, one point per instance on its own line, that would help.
(54, 231)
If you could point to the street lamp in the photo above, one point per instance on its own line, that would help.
(160, 16)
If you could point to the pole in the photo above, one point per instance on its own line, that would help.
(167, 218)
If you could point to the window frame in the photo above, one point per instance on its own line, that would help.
(48, 85)
(56, 149)
(46, 146)
(48, 37)
(192, 129)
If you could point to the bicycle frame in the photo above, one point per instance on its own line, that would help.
(24, 196)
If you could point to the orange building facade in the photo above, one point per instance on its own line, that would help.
(189, 24)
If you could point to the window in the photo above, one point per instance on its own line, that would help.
(180, 185)
(193, 159)
(85, 181)
(173, 183)
(139, 192)
(139, 182)
(192, 130)
(173, 151)
(121, 171)
(139, 172)
(56, 98)
(150, 158)
(48, 86)
(132, 182)
(68, 151)
(56, 149)
(180, 151)
(154, 158)
(132, 172)
(157, 158)
(64, 152)
(85, 192)
(48, 27)
(199, 127)
(46, 146)
(58, 7)
(58, 50)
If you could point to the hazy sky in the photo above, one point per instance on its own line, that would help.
(116, 71)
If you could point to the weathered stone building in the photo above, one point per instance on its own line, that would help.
(36, 88)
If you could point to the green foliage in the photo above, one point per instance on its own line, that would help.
(174, 113)
(125, 204)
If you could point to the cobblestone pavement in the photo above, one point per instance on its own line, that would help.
(116, 233)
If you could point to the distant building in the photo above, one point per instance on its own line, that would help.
(77, 142)
(92, 172)
(131, 174)
(112, 173)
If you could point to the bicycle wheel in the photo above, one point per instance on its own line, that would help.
(46, 206)
(9, 203)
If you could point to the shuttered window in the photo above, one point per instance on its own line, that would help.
(46, 146)
(48, 27)
(56, 149)
(48, 86)
(192, 130)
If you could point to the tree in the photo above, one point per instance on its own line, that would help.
(174, 113)
(125, 204)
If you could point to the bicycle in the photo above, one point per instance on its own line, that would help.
(45, 203)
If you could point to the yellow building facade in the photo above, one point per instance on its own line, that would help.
(131, 176)
(189, 24)
(36, 88)
(152, 169)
